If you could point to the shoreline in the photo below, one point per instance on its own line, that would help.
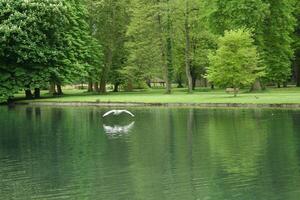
(144, 104)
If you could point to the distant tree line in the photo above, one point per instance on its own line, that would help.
(127, 43)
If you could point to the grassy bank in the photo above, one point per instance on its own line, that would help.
(289, 95)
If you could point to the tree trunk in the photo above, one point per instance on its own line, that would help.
(129, 86)
(96, 87)
(116, 87)
(148, 82)
(10, 101)
(235, 91)
(297, 71)
(278, 85)
(256, 86)
(52, 89)
(37, 93)
(59, 90)
(297, 64)
(28, 94)
(90, 86)
(187, 49)
(212, 86)
(179, 82)
(166, 53)
(284, 84)
(103, 86)
(298, 77)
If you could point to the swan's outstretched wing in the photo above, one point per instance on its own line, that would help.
(126, 111)
(108, 113)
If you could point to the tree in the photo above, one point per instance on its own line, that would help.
(235, 14)
(151, 41)
(235, 62)
(296, 45)
(43, 41)
(30, 32)
(109, 20)
(79, 53)
(277, 40)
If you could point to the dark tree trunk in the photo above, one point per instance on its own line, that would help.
(297, 76)
(297, 64)
(194, 80)
(37, 93)
(180, 85)
(10, 101)
(96, 87)
(148, 82)
(52, 89)
(28, 94)
(298, 80)
(90, 86)
(103, 86)
(116, 87)
(59, 90)
(278, 85)
(284, 84)
(212, 86)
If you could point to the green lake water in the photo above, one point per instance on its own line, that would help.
(161, 154)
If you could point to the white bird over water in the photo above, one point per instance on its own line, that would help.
(118, 112)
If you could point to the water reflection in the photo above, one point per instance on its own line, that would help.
(118, 130)
(171, 154)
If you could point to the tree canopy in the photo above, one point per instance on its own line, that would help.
(128, 43)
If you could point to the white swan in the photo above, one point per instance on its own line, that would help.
(117, 112)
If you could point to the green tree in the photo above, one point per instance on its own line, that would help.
(235, 14)
(150, 42)
(192, 38)
(80, 54)
(235, 62)
(277, 40)
(109, 20)
(30, 34)
(296, 45)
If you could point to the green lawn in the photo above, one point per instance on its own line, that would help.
(274, 96)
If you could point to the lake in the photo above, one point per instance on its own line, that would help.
(160, 154)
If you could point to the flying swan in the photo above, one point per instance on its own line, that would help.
(118, 112)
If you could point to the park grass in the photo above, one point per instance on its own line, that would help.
(290, 95)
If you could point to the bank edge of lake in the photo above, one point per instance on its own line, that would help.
(144, 104)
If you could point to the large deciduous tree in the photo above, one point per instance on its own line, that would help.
(109, 20)
(296, 45)
(277, 40)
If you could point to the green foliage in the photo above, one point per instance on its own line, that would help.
(43, 40)
(235, 62)
(144, 59)
(108, 21)
(277, 40)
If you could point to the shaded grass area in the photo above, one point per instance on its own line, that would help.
(201, 95)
